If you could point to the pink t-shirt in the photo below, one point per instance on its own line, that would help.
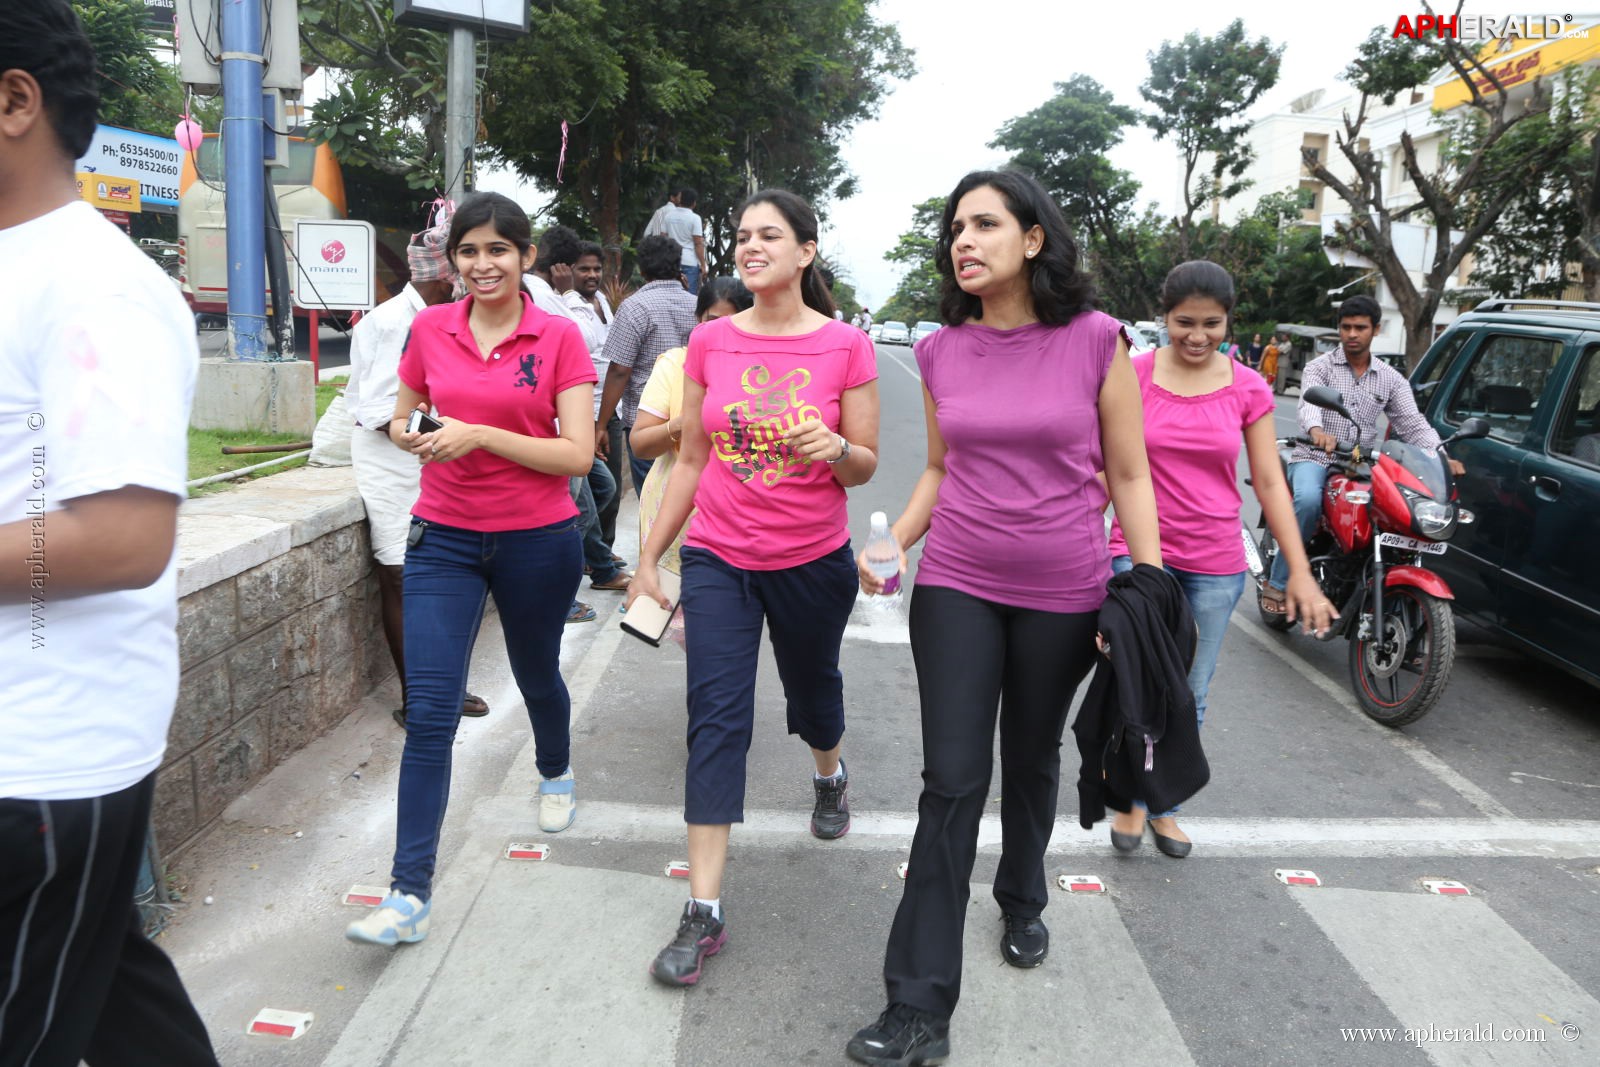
(760, 506)
(1018, 520)
(1193, 443)
(515, 389)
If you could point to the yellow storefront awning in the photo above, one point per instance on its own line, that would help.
(1524, 61)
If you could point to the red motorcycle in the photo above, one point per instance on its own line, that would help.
(1381, 516)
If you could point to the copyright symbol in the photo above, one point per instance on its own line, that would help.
(35, 421)
(1570, 1032)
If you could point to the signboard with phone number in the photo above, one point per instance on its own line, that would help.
(155, 163)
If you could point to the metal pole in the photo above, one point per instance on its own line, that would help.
(461, 84)
(246, 185)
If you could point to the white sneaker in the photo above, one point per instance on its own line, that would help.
(401, 917)
(558, 803)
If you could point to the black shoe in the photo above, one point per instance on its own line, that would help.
(902, 1036)
(1126, 842)
(1026, 941)
(699, 936)
(1171, 845)
(831, 816)
(475, 706)
(399, 716)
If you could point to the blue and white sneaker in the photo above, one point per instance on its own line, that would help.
(558, 803)
(401, 917)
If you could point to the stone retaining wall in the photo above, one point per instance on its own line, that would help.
(279, 633)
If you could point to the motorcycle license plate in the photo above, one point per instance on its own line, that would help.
(1394, 540)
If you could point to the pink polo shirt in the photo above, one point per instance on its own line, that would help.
(515, 389)
(1193, 443)
(760, 506)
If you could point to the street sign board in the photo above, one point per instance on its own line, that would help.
(150, 162)
(334, 264)
(498, 18)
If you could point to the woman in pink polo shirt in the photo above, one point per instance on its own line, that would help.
(780, 414)
(1200, 402)
(1028, 394)
(495, 516)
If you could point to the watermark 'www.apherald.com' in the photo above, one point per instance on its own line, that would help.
(1487, 27)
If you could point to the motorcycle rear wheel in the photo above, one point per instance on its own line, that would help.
(1269, 553)
(1398, 681)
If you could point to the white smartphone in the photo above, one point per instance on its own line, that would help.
(648, 620)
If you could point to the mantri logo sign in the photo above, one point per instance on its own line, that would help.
(1487, 27)
(333, 252)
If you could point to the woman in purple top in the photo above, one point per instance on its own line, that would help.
(1198, 403)
(1028, 392)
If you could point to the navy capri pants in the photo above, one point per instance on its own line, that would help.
(805, 609)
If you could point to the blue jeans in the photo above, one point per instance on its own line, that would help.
(691, 275)
(533, 575)
(1306, 482)
(592, 493)
(1211, 599)
(638, 468)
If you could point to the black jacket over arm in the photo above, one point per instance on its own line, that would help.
(1137, 733)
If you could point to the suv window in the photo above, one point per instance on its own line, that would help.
(1504, 383)
(1578, 433)
(1450, 349)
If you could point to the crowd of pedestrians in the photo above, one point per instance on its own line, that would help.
(494, 400)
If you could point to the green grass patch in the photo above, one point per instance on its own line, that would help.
(205, 449)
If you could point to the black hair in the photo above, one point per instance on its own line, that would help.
(660, 258)
(558, 244)
(1356, 306)
(45, 39)
(687, 197)
(803, 221)
(1201, 278)
(1058, 288)
(714, 291)
(490, 209)
(590, 248)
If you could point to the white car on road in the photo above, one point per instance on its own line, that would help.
(895, 333)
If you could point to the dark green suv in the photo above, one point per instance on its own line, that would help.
(1524, 569)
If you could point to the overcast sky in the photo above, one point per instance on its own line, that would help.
(983, 63)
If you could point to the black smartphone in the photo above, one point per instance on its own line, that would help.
(421, 422)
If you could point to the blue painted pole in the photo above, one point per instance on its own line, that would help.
(246, 184)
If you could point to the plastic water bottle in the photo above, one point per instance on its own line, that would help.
(883, 554)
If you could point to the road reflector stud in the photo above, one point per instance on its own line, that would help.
(270, 1022)
(1445, 887)
(678, 869)
(901, 870)
(1288, 877)
(1081, 883)
(524, 850)
(365, 896)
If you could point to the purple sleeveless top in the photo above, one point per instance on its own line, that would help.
(1018, 520)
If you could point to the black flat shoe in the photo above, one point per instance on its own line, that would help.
(1171, 846)
(1026, 942)
(1126, 842)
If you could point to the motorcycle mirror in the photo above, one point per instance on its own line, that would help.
(1470, 429)
(1327, 398)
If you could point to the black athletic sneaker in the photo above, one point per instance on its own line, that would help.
(902, 1037)
(1026, 942)
(831, 816)
(699, 935)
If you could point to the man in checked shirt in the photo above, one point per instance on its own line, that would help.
(1369, 389)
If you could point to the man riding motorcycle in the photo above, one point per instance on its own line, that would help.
(1368, 389)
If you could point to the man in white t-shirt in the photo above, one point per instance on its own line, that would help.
(657, 226)
(97, 368)
(389, 478)
(685, 227)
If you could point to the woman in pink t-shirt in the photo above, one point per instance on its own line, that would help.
(780, 414)
(1028, 393)
(1198, 401)
(512, 388)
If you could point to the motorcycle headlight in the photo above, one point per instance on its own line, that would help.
(1431, 517)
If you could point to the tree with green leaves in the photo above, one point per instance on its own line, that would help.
(1201, 88)
(137, 90)
(1493, 149)
(916, 299)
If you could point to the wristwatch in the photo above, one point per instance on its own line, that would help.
(844, 450)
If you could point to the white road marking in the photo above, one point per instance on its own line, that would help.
(1477, 797)
(1557, 781)
(1217, 837)
(908, 368)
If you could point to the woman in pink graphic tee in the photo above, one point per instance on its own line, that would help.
(1199, 403)
(780, 415)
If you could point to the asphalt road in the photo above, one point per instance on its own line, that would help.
(1210, 961)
